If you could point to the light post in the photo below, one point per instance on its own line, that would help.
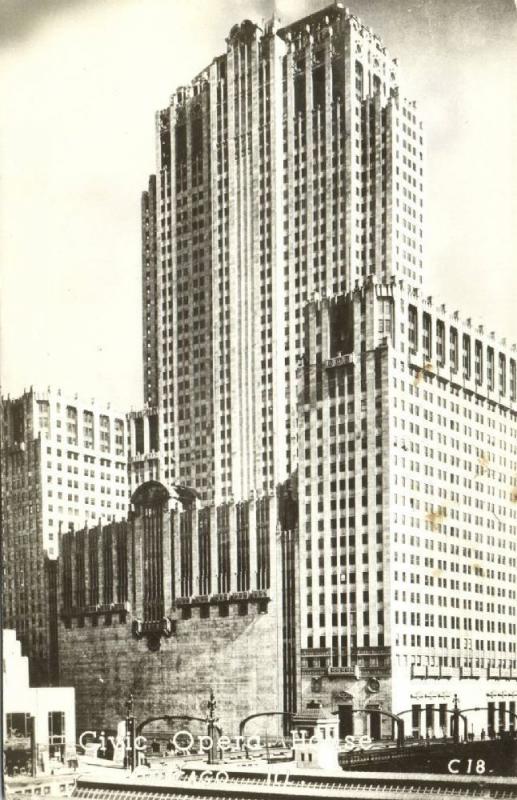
(213, 730)
(455, 721)
(130, 757)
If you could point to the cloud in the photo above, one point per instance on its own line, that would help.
(81, 80)
(19, 18)
(434, 22)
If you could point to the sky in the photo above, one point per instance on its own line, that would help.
(81, 81)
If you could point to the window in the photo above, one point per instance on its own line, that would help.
(502, 373)
(454, 348)
(413, 327)
(426, 335)
(88, 429)
(440, 342)
(18, 725)
(466, 356)
(478, 361)
(56, 733)
(490, 368)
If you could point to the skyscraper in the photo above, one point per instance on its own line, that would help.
(290, 166)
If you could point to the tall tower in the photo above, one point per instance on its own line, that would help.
(289, 167)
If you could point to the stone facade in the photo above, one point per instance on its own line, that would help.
(173, 603)
(408, 520)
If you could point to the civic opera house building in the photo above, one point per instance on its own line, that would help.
(288, 342)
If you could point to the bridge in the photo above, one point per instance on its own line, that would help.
(243, 785)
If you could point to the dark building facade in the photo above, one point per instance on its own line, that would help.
(173, 603)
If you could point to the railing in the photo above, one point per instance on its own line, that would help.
(339, 361)
(152, 784)
(315, 652)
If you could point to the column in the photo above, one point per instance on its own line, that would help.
(195, 551)
(100, 563)
(114, 560)
(168, 562)
(138, 609)
(145, 426)
(309, 162)
(275, 550)
(176, 553)
(232, 525)
(252, 533)
(329, 154)
(86, 565)
(129, 558)
(73, 575)
(214, 567)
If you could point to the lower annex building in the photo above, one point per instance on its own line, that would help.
(177, 601)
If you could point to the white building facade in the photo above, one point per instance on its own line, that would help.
(408, 514)
(46, 713)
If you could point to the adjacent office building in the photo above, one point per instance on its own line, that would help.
(63, 463)
(407, 503)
